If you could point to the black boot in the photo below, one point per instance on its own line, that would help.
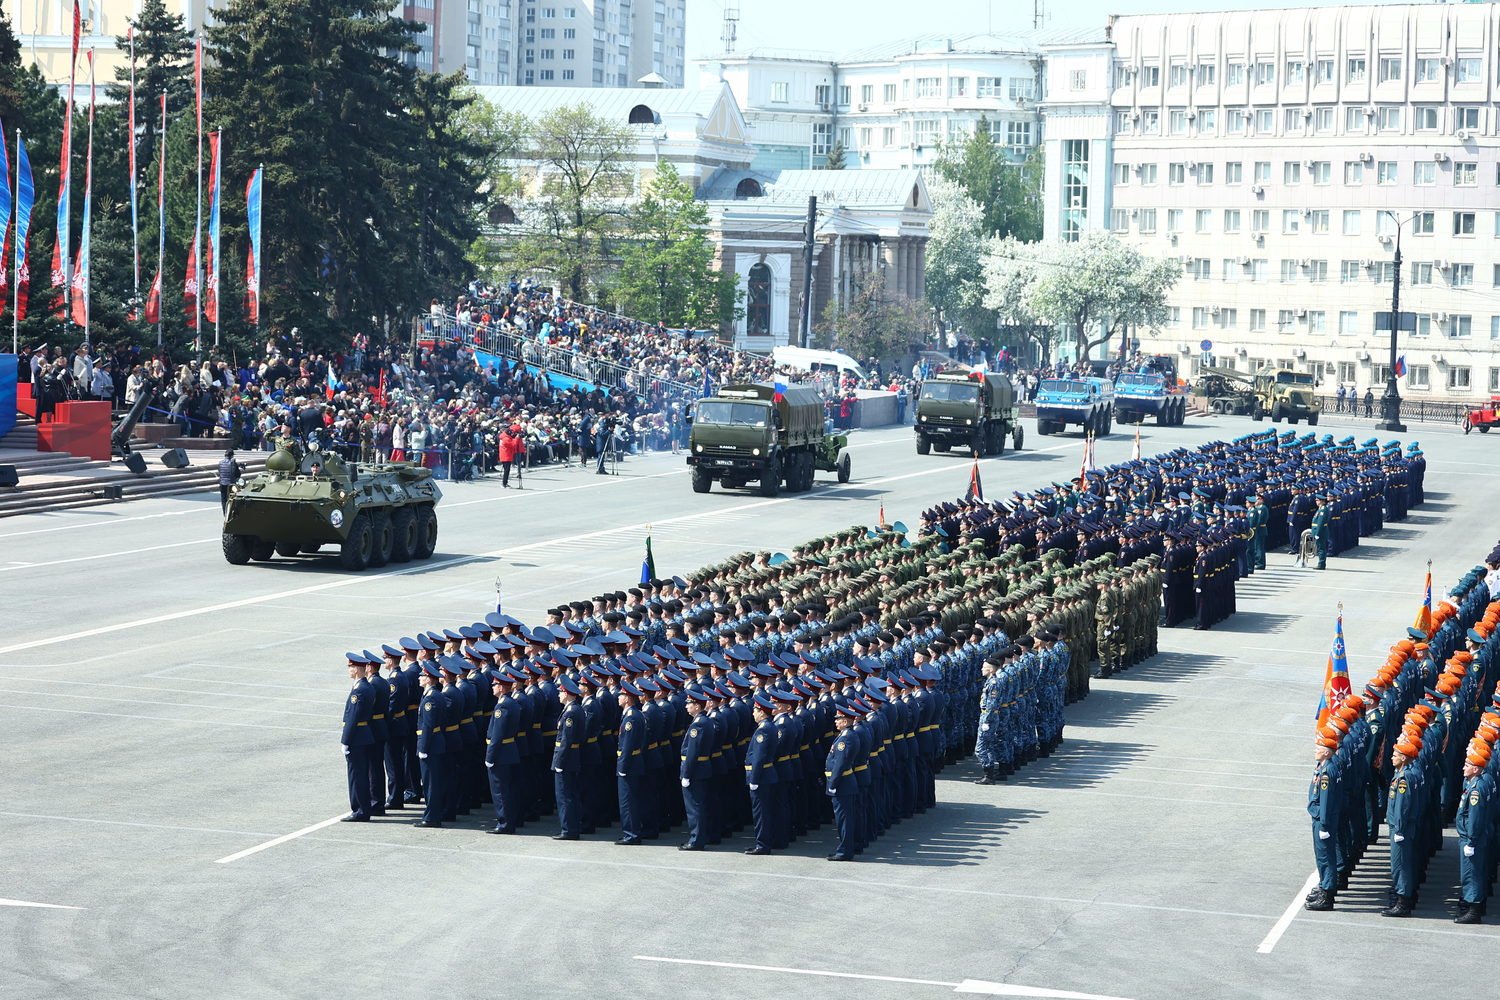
(985, 779)
(1323, 900)
(1400, 908)
(1468, 913)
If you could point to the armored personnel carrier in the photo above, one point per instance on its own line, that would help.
(375, 514)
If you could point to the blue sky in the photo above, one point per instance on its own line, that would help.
(841, 25)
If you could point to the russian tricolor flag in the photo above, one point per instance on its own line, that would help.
(778, 391)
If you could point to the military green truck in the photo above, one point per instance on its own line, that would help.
(771, 435)
(375, 514)
(967, 410)
(1282, 392)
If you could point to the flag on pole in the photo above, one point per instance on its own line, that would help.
(1400, 370)
(153, 301)
(648, 564)
(975, 492)
(81, 270)
(333, 381)
(1086, 461)
(1135, 451)
(25, 198)
(708, 385)
(190, 286)
(196, 281)
(211, 261)
(154, 316)
(252, 262)
(881, 523)
(778, 390)
(1336, 676)
(135, 222)
(62, 246)
(5, 211)
(1424, 616)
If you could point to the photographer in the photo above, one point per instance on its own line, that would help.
(604, 432)
(230, 473)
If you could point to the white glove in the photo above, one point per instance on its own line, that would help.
(346, 751)
(756, 788)
(1468, 850)
(488, 764)
(558, 770)
(1323, 835)
(421, 756)
(686, 782)
(984, 727)
(619, 774)
(1398, 838)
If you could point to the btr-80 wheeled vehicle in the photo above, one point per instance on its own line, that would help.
(375, 514)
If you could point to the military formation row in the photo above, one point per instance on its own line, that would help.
(1417, 750)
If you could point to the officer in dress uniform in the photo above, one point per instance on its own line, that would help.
(760, 774)
(842, 786)
(358, 741)
(1403, 814)
(630, 766)
(567, 760)
(502, 755)
(1474, 823)
(695, 771)
(431, 744)
(1323, 805)
(398, 730)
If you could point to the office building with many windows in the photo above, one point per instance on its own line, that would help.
(1279, 155)
(888, 106)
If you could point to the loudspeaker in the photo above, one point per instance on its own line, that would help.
(174, 459)
(136, 463)
(8, 476)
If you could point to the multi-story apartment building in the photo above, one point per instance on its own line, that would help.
(889, 106)
(599, 43)
(1280, 155)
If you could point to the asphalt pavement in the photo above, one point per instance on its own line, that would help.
(173, 777)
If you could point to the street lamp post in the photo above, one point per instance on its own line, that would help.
(1390, 403)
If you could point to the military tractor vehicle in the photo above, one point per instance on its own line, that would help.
(1151, 392)
(1088, 402)
(375, 514)
(1274, 393)
(973, 411)
(763, 434)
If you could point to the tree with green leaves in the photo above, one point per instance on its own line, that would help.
(872, 323)
(163, 65)
(835, 158)
(1010, 270)
(955, 257)
(578, 204)
(667, 272)
(1008, 192)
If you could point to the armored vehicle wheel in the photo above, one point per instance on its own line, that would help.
(262, 549)
(702, 481)
(997, 439)
(383, 539)
(1256, 413)
(770, 479)
(924, 446)
(1484, 428)
(1088, 425)
(1181, 412)
(236, 549)
(846, 468)
(354, 554)
(426, 533)
(403, 535)
(809, 472)
(1017, 437)
(941, 446)
(288, 549)
(1312, 420)
(1109, 423)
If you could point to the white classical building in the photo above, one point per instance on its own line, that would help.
(1277, 154)
(888, 106)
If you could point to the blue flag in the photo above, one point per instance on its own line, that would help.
(648, 564)
(1336, 676)
(708, 385)
(25, 198)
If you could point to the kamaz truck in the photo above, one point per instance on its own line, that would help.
(770, 435)
(1087, 402)
(967, 410)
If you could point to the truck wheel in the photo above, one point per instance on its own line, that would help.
(924, 446)
(1312, 420)
(770, 479)
(845, 467)
(1043, 429)
(941, 446)
(236, 549)
(1181, 412)
(288, 549)
(354, 553)
(702, 481)
(383, 539)
(403, 535)
(1109, 423)
(997, 439)
(1256, 413)
(1017, 436)
(427, 528)
(809, 472)
(262, 549)
(1484, 428)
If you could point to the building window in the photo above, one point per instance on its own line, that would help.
(1468, 70)
(758, 301)
(1150, 122)
(1494, 380)
(1229, 269)
(1460, 327)
(1257, 321)
(1388, 119)
(1288, 270)
(1122, 175)
(1317, 321)
(1426, 119)
(1208, 122)
(1119, 220)
(1146, 222)
(924, 132)
(1458, 377)
(1421, 273)
(1390, 68)
(1348, 272)
(1355, 70)
(1149, 175)
(1075, 171)
(1205, 174)
(929, 86)
(1176, 173)
(1286, 322)
(844, 93)
(1078, 79)
(1317, 272)
(1291, 172)
(1018, 136)
(1174, 220)
(1351, 222)
(1354, 172)
(1265, 122)
(1465, 174)
(1428, 69)
(1294, 72)
(1202, 221)
(1023, 88)
(1422, 223)
(1418, 376)
(1348, 325)
(1321, 172)
(1317, 222)
(820, 94)
(822, 138)
(888, 136)
(1296, 121)
(1462, 276)
(988, 86)
(1238, 122)
(1177, 75)
(778, 92)
(866, 137)
(1178, 122)
(958, 86)
(867, 93)
(1234, 73)
(1200, 317)
(1323, 71)
(1385, 172)
(1323, 120)
(1265, 72)
(1346, 372)
(1206, 74)
(1463, 223)
(1231, 220)
(1354, 120)
(1466, 118)
(888, 92)
(1234, 172)
(1424, 173)
(1262, 171)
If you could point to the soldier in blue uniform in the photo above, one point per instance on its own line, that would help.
(630, 766)
(1403, 814)
(760, 775)
(400, 730)
(358, 741)
(695, 770)
(567, 760)
(1475, 824)
(987, 745)
(431, 745)
(843, 787)
(1324, 799)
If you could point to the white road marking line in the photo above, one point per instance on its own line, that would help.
(101, 555)
(796, 972)
(107, 522)
(166, 704)
(966, 986)
(279, 840)
(120, 822)
(157, 718)
(38, 906)
(1293, 908)
(428, 567)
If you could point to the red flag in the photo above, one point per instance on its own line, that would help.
(190, 286)
(380, 392)
(77, 28)
(210, 257)
(976, 490)
(153, 300)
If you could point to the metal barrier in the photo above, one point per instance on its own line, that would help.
(565, 361)
(1422, 411)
